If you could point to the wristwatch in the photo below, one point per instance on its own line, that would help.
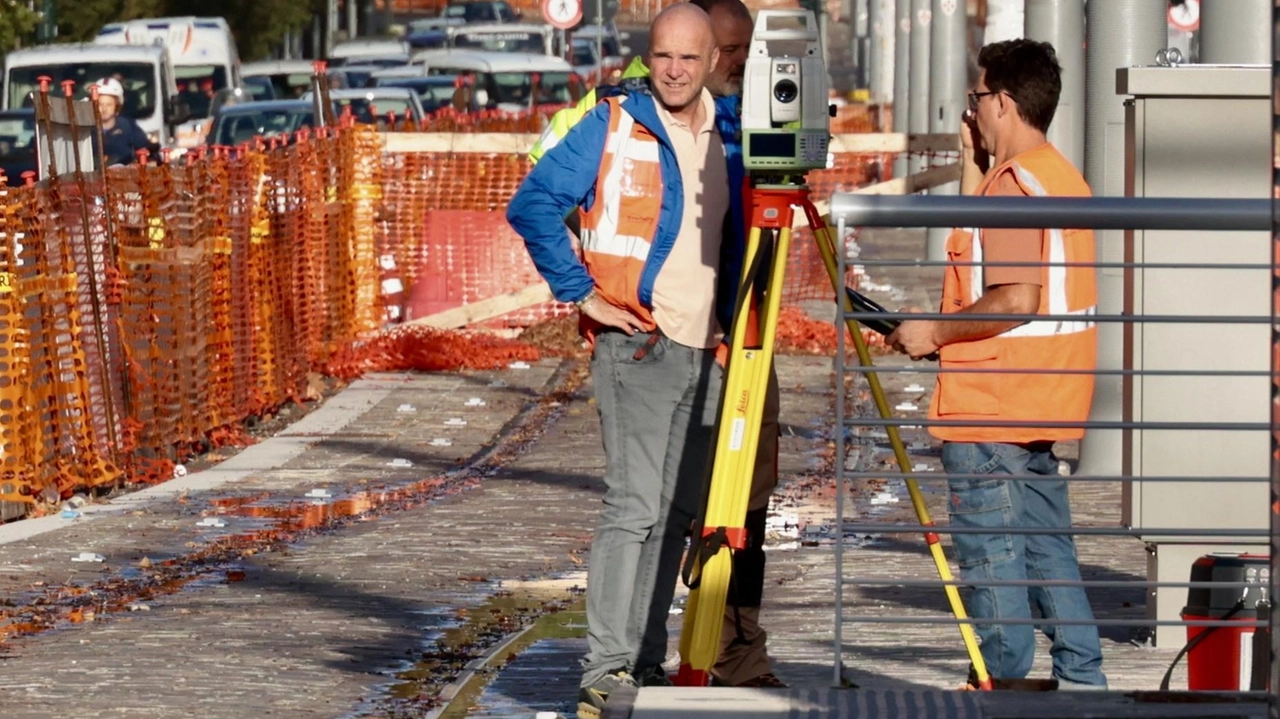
(582, 302)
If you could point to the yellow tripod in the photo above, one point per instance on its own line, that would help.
(709, 564)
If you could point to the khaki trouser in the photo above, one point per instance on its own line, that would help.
(746, 659)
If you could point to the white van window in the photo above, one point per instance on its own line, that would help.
(138, 79)
(197, 84)
(516, 87)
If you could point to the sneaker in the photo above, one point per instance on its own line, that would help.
(591, 699)
(768, 680)
(652, 677)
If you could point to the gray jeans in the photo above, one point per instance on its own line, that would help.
(657, 414)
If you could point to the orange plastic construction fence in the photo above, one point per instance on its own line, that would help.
(147, 312)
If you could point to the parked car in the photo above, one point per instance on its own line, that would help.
(17, 143)
(509, 81)
(238, 123)
(611, 40)
(481, 11)
(288, 78)
(382, 100)
(434, 23)
(427, 39)
(434, 91)
(356, 76)
(259, 88)
(367, 51)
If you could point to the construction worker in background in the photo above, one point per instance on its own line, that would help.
(744, 658)
(121, 136)
(1005, 372)
(654, 176)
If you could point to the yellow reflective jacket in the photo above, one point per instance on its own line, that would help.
(564, 120)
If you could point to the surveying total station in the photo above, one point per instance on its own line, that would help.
(785, 132)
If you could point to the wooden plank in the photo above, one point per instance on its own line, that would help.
(928, 179)
(486, 309)
(910, 184)
(877, 142)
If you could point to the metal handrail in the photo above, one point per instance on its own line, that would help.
(1095, 213)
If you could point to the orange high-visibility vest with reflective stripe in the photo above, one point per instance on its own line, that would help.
(1066, 343)
(618, 231)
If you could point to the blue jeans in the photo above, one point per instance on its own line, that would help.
(995, 503)
(657, 412)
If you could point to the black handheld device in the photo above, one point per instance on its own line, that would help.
(862, 303)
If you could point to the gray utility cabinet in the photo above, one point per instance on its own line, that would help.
(1196, 131)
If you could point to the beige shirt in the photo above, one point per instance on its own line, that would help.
(684, 292)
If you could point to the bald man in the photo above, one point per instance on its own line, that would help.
(654, 176)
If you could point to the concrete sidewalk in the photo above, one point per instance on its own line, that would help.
(386, 547)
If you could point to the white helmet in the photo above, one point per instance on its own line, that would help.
(111, 87)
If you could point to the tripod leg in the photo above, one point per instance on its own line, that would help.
(745, 385)
(827, 248)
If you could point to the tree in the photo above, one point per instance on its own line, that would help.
(80, 20)
(17, 24)
(258, 25)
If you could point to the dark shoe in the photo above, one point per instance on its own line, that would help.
(591, 699)
(768, 680)
(652, 677)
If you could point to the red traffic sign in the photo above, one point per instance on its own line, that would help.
(563, 14)
(1185, 17)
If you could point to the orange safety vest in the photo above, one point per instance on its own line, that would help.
(1067, 292)
(617, 232)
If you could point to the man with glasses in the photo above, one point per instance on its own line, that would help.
(1004, 377)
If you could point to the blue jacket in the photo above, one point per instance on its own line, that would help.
(565, 179)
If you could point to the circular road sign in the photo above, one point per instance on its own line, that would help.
(563, 14)
(1185, 17)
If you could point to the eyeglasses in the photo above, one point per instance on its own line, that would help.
(975, 97)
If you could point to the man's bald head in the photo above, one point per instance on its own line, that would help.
(682, 17)
(682, 52)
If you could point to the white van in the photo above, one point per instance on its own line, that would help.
(150, 94)
(202, 50)
(506, 80)
(502, 37)
(376, 51)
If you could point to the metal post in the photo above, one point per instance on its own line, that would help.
(1061, 24)
(1274, 674)
(1004, 21)
(947, 85)
(331, 28)
(861, 44)
(353, 18)
(918, 112)
(1234, 32)
(317, 44)
(1120, 33)
(901, 77)
(599, 40)
(880, 55)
